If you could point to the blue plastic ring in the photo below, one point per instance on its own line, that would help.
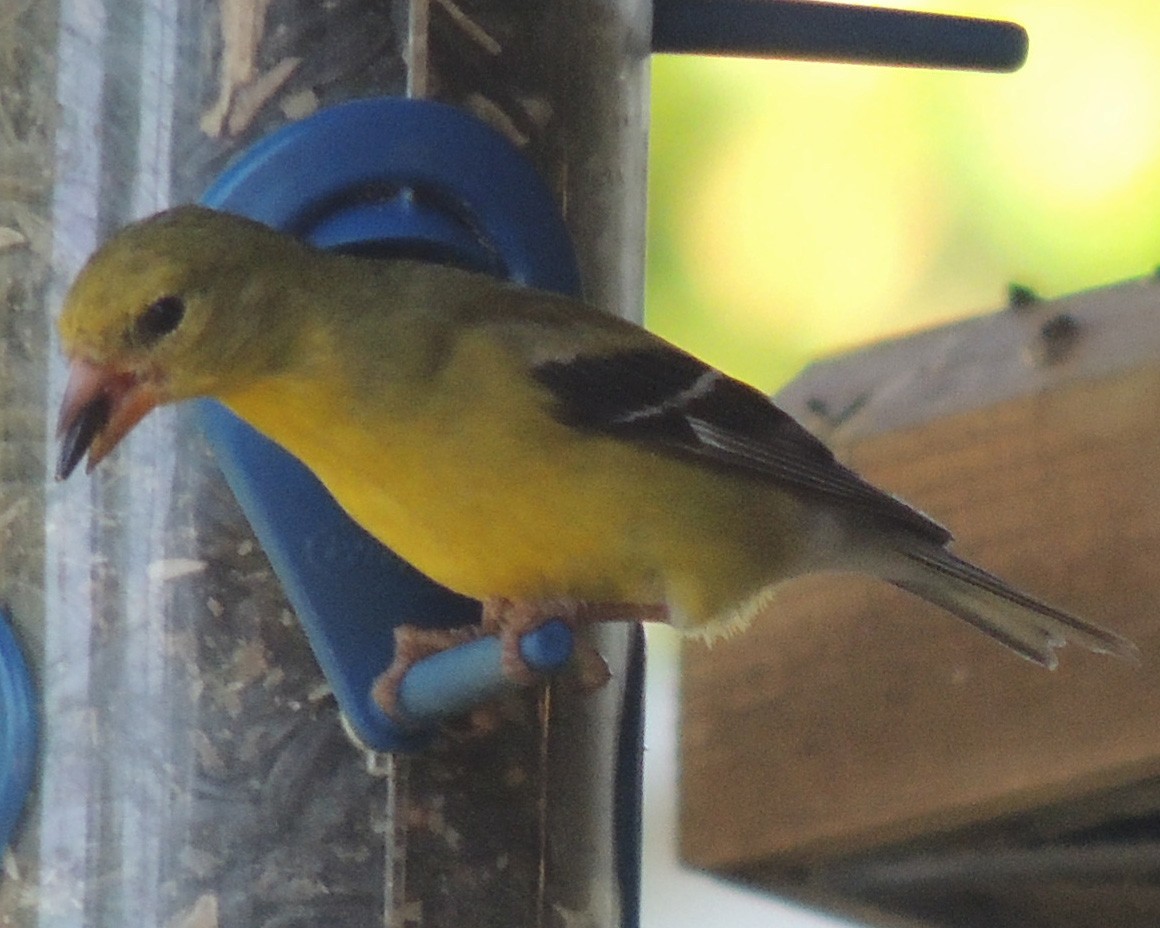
(309, 172)
(18, 730)
(399, 174)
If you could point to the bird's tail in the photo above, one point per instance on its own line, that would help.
(1027, 626)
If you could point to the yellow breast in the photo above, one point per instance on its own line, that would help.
(470, 479)
(472, 483)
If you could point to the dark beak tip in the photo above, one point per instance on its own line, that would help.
(66, 463)
(78, 435)
(64, 470)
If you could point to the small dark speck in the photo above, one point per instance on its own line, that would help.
(832, 417)
(1059, 328)
(1056, 339)
(1020, 297)
(818, 406)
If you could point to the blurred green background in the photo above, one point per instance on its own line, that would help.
(797, 208)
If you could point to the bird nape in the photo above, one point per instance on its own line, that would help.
(514, 445)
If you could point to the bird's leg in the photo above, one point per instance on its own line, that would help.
(512, 620)
(412, 644)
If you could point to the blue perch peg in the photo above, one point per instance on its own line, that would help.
(451, 682)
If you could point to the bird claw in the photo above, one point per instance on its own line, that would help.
(413, 644)
(591, 668)
(511, 621)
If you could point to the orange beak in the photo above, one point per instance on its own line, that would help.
(100, 406)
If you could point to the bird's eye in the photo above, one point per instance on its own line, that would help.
(158, 319)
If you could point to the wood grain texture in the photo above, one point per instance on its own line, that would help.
(851, 715)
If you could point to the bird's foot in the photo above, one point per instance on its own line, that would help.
(413, 644)
(512, 620)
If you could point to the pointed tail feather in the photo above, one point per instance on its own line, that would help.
(1027, 626)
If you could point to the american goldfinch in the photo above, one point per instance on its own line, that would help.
(512, 444)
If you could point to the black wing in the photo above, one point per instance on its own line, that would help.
(671, 401)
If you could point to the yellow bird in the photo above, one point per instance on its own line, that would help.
(512, 444)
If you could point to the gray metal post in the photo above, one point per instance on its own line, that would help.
(193, 771)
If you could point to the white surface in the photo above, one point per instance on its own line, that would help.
(675, 896)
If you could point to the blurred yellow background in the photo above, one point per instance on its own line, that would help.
(797, 208)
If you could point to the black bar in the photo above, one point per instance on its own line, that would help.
(836, 32)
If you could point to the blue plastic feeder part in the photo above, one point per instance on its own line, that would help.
(425, 697)
(17, 731)
(384, 176)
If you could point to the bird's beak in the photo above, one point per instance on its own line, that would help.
(101, 405)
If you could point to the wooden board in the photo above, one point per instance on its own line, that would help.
(851, 715)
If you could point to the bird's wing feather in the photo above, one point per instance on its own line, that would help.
(667, 400)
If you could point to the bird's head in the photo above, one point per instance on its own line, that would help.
(164, 311)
